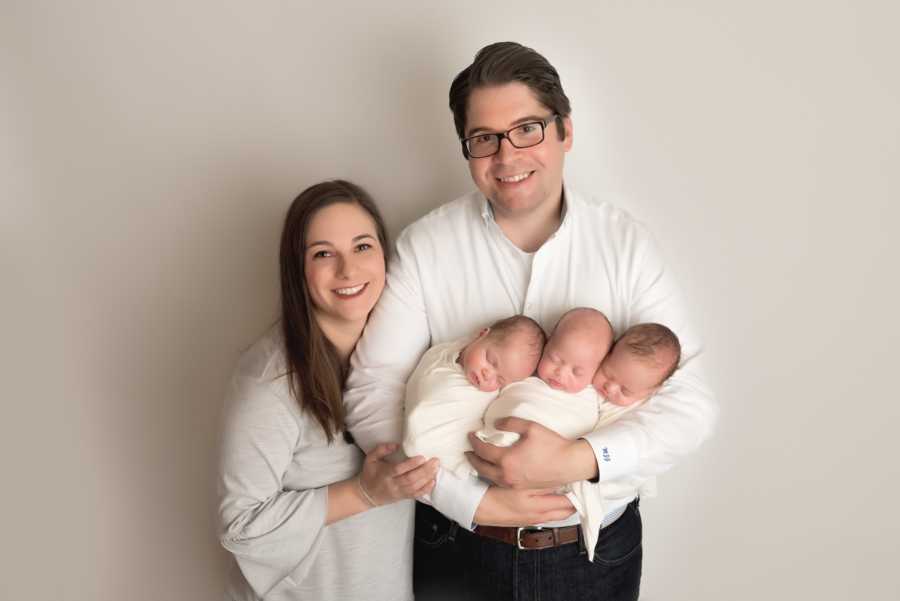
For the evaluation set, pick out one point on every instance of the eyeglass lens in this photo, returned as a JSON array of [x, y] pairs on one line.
[[523, 136]]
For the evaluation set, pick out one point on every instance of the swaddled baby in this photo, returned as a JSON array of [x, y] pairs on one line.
[[456, 385], [576, 364], [450, 389]]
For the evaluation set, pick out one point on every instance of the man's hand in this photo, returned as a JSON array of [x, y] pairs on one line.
[[506, 507], [540, 459]]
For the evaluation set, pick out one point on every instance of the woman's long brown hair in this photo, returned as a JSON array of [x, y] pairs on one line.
[[314, 370]]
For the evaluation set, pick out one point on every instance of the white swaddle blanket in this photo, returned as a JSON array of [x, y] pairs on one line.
[[442, 407], [568, 414]]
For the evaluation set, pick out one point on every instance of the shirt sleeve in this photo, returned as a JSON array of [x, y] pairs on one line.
[[647, 441], [273, 533], [396, 336]]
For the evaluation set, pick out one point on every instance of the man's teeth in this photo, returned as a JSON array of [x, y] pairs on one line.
[[514, 178], [350, 291]]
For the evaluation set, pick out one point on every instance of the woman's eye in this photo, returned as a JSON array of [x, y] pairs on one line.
[[321, 254], [363, 246]]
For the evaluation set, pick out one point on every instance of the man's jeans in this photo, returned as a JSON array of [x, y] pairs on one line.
[[452, 563]]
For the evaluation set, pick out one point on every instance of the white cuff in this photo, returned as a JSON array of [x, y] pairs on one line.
[[616, 453], [458, 498]]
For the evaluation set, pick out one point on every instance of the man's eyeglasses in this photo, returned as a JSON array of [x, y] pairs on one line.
[[521, 136]]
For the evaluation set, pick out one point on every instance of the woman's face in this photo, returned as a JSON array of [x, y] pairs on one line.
[[344, 264]]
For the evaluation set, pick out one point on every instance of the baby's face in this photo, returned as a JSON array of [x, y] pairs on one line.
[[624, 379], [570, 360], [490, 364]]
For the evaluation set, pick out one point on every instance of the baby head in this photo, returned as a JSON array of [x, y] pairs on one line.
[[506, 352], [639, 362], [579, 342]]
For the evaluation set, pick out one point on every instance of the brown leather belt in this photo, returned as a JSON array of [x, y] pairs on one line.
[[530, 538]]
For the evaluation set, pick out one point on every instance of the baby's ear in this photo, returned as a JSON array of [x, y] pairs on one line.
[[484, 332]]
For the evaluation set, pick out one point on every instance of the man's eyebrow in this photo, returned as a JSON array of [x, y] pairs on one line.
[[477, 130]]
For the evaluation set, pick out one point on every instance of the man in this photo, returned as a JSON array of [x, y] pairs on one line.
[[525, 244]]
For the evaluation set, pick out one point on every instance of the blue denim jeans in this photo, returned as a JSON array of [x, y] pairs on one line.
[[454, 564]]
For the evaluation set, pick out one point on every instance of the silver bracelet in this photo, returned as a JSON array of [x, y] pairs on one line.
[[365, 493]]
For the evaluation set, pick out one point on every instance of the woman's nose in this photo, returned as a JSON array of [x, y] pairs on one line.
[[346, 267]]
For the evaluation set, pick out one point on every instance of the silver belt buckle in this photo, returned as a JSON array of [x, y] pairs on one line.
[[525, 529]]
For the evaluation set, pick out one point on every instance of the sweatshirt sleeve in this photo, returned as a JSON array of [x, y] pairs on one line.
[[273, 533]]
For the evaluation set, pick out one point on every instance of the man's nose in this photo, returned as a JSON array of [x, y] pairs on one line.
[[506, 149]]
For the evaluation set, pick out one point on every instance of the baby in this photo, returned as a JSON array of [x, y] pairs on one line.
[[644, 357], [454, 389], [448, 392], [578, 354], [561, 397]]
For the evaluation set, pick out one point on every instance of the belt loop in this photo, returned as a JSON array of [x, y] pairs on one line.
[[451, 534]]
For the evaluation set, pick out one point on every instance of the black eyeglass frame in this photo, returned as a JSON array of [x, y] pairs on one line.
[[500, 136]]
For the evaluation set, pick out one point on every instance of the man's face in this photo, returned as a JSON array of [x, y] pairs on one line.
[[517, 181]]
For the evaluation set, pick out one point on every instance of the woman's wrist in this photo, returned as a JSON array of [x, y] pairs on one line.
[[345, 499], [366, 495]]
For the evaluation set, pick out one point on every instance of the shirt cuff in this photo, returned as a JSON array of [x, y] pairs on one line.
[[458, 498], [615, 451]]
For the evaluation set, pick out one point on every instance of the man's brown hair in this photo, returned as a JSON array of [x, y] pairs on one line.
[[506, 62]]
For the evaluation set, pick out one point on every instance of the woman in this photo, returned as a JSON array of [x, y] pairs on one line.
[[301, 510]]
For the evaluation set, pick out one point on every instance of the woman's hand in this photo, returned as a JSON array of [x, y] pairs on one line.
[[384, 482]]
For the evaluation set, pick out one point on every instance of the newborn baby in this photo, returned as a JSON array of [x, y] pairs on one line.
[[454, 389], [560, 398], [578, 354], [454, 382]]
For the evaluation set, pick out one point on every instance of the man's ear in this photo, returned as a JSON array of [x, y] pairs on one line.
[[569, 129]]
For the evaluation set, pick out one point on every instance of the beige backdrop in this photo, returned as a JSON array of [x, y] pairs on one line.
[[148, 151]]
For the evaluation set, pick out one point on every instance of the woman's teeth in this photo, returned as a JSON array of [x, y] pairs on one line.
[[350, 291]]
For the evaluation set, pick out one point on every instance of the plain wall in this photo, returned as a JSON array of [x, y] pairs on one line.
[[148, 152]]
